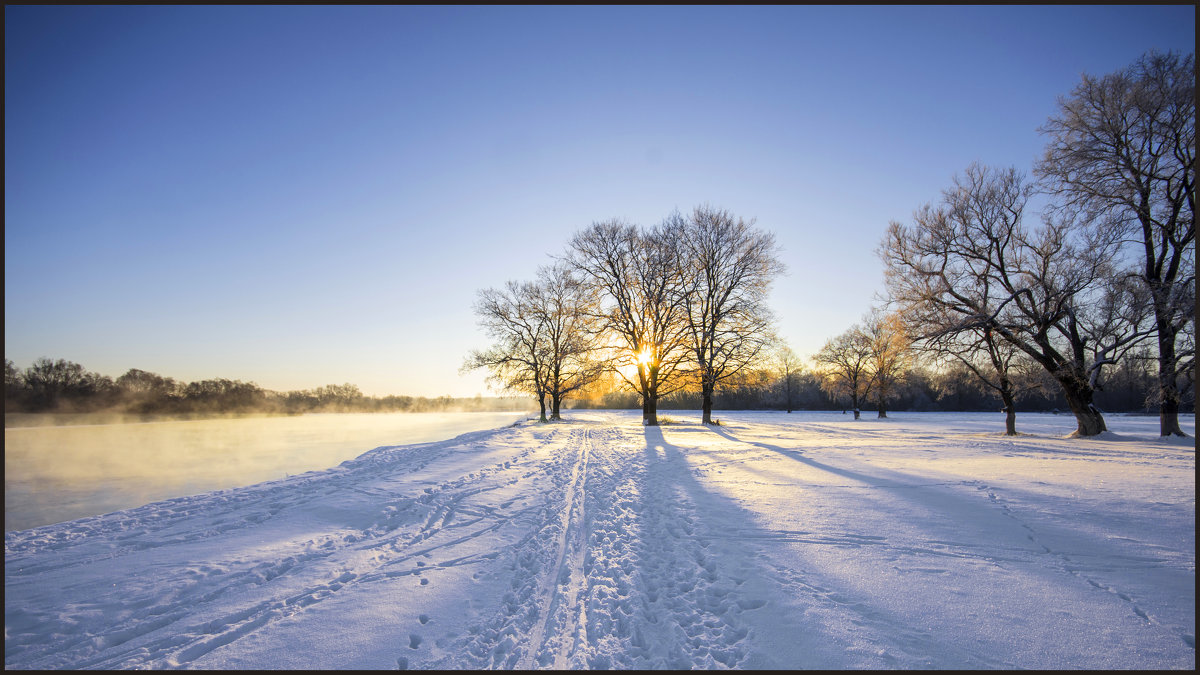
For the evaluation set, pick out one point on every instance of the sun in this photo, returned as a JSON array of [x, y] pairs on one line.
[[645, 356], [641, 361]]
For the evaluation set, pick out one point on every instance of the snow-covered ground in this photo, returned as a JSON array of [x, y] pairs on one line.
[[790, 541]]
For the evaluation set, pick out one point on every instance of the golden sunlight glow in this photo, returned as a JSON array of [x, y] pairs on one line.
[[641, 361], [645, 356]]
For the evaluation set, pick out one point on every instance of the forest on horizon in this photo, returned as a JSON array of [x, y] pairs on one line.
[[61, 386]]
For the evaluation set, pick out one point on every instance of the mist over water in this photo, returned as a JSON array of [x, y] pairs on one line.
[[57, 473]]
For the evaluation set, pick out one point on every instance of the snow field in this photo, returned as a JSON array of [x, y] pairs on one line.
[[772, 541]]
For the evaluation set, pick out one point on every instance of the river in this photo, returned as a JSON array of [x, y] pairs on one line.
[[58, 473]]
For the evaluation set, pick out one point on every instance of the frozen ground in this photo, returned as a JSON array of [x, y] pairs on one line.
[[789, 541]]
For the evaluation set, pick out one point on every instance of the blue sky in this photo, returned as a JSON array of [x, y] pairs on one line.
[[309, 195]]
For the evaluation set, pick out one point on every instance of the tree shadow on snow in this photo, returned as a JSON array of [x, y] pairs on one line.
[[999, 527], [714, 595]]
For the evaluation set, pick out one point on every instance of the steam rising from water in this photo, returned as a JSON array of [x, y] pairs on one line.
[[57, 473]]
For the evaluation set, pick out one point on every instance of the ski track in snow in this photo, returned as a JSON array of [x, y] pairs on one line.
[[598, 543]]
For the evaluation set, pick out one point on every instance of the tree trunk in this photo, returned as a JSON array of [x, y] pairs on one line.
[[556, 403], [542, 404], [706, 396], [650, 411], [1010, 411], [882, 408], [1088, 418], [1168, 409], [1168, 418]]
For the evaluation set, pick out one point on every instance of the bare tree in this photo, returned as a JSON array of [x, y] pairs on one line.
[[728, 267], [144, 391], [50, 384], [971, 264], [546, 337], [1119, 320], [566, 309], [13, 382], [338, 397], [516, 361], [992, 362], [789, 366], [845, 363], [888, 344], [638, 274], [1124, 146]]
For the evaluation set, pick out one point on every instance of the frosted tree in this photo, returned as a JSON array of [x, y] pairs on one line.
[[972, 264], [1123, 146]]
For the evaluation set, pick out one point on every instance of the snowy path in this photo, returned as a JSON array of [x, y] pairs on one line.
[[771, 541]]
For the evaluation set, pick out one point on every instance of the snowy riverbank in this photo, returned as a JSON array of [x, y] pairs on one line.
[[787, 541]]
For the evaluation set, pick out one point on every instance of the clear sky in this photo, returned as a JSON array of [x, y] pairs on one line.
[[308, 195]]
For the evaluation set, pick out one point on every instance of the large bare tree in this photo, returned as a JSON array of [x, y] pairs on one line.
[[1124, 146], [728, 267], [639, 276], [972, 264]]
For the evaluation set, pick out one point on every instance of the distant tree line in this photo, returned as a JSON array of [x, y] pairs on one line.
[[920, 387], [1092, 310], [63, 386]]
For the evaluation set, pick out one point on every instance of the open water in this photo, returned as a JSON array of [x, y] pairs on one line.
[[58, 473]]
